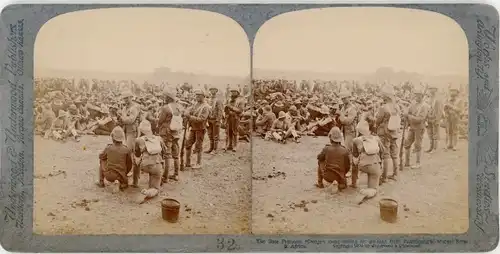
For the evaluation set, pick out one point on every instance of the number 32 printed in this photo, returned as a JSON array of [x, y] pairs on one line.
[[226, 244]]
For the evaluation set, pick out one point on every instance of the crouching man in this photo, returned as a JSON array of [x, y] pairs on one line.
[[333, 161], [115, 161], [150, 151]]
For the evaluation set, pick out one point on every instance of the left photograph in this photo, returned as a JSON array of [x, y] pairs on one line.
[[142, 123]]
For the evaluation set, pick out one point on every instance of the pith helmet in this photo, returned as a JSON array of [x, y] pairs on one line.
[[117, 134]]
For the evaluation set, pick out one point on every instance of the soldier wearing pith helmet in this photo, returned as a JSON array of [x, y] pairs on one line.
[[214, 119], [415, 118], [116, 160], [388, 122], [434, 117], [170, 136], [197, 117], [233, 111]]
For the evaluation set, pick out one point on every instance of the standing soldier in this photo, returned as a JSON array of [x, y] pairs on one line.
[[416, 116], [388, 122], [197, 119], [233, 111], [347, 117], [452, 110], [169, 127], [434, 119], [130, 117], [214, 120]]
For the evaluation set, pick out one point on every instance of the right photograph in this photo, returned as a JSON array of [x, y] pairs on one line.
[[360, 123]]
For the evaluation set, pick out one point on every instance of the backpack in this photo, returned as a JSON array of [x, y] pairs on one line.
[[370, 145], [153, 145], [394, 121], [176, 123]]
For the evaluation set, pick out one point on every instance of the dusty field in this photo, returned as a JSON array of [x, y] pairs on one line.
[[436, 196], [214, 199]]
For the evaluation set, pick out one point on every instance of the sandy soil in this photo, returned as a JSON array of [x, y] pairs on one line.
[[214, 199], [433, 199]]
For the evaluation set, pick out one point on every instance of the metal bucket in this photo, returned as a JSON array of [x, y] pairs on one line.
[[170, 210], [388, 210]]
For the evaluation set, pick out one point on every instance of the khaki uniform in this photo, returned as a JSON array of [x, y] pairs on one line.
[[368, 163], [453, 110], [433, 122], [151, 164], [333, 164], [347, 120], [232, 122], [388, 138], [214, 122], [417, 114], [114, 164], [130, 119], [170, 138], [197, 122]]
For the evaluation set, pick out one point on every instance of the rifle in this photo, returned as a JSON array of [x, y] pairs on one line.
[[181, 168], [405, 125]]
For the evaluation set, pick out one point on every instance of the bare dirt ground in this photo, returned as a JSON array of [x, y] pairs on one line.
[[214, 200], [432, 199]]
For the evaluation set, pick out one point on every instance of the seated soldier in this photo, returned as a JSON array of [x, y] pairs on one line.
[[265, 121], [115, 161], [44, 123], [323, 125], [151, 152], [278, 129], [333, 161]]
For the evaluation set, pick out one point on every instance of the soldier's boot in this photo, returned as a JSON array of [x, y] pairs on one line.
[[166, 167], [188, 159], [198, 161], [431, 148], [175, 176], [417, 164], [211, 147], [435, 144]]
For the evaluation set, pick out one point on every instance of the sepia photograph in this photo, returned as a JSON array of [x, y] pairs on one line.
[[361, 123], [142, 123]]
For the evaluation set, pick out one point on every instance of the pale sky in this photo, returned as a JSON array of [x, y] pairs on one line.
[[360, 40], [138, 40]]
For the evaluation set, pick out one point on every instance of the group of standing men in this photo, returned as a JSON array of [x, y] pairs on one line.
[[155, 154], [389, 124]]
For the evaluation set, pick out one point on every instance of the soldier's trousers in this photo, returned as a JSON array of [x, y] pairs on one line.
[[373, 171], [232, 133], [213, 132], [172, 145], [195, 138], [330, 176], [155, 172], [348, 138], [130, 141], [390, 152], [415, 136], [451, 132], [433, 130]]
